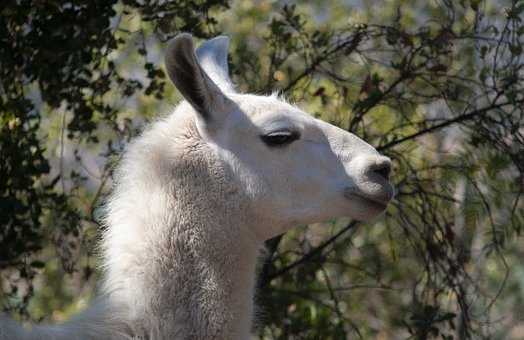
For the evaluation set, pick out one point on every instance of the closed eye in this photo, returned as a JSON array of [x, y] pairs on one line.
[[280, 138]]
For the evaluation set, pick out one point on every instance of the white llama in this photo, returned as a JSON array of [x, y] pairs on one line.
[[198, 193]]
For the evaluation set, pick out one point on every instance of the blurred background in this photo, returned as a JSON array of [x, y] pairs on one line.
[[436, 85]]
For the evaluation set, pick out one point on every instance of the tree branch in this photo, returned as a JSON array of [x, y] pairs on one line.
[[316, 251], [447, 123]]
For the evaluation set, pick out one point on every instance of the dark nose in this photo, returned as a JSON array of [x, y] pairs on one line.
[[382, 168]]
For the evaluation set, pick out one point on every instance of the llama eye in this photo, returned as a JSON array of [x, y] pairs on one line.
[[280, 138]]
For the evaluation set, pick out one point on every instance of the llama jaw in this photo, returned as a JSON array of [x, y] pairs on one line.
[[372, 201], [375, 204]]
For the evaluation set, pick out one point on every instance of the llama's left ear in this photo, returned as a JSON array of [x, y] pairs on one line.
[[192, 80]]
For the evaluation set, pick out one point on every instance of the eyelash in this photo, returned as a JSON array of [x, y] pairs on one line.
[[280, 138]]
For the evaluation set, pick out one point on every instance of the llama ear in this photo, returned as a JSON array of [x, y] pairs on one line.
[[212, 55], [191, 79]]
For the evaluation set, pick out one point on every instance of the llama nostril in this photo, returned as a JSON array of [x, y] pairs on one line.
[[383, 170]]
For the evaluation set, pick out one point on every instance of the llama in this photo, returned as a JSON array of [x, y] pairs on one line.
[[198, 193]]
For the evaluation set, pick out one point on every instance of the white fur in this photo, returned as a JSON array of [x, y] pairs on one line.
[[197, 194]]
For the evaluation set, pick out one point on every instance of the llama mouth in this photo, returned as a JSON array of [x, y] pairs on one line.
[[373, 202], [369, 200]]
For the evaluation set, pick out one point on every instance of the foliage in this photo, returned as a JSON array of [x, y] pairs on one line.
[[437, 86]]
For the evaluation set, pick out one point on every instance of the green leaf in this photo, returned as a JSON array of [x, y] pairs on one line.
[[515, 49], [37, 264]]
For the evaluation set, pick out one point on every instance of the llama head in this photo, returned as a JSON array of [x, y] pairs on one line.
[[293, 168]]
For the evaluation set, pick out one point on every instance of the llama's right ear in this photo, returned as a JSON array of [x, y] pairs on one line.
[[212, 55], [191, 80]]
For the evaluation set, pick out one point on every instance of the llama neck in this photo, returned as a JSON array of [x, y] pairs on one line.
[[211, 287], [185, 268], [214, 286]]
